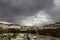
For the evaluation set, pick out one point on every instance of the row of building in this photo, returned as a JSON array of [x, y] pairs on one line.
[[21, 27], [52, 26]]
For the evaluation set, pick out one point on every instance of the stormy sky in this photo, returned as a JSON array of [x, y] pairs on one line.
[[30, 12]]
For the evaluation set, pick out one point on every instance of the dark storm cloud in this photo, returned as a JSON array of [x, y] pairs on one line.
[[9, 9]]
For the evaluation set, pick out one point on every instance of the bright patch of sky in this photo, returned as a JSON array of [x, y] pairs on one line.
[[57, 2], [40, 18]]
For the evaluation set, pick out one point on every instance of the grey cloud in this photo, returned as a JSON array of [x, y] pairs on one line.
[[55, 14], [9, 9]]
